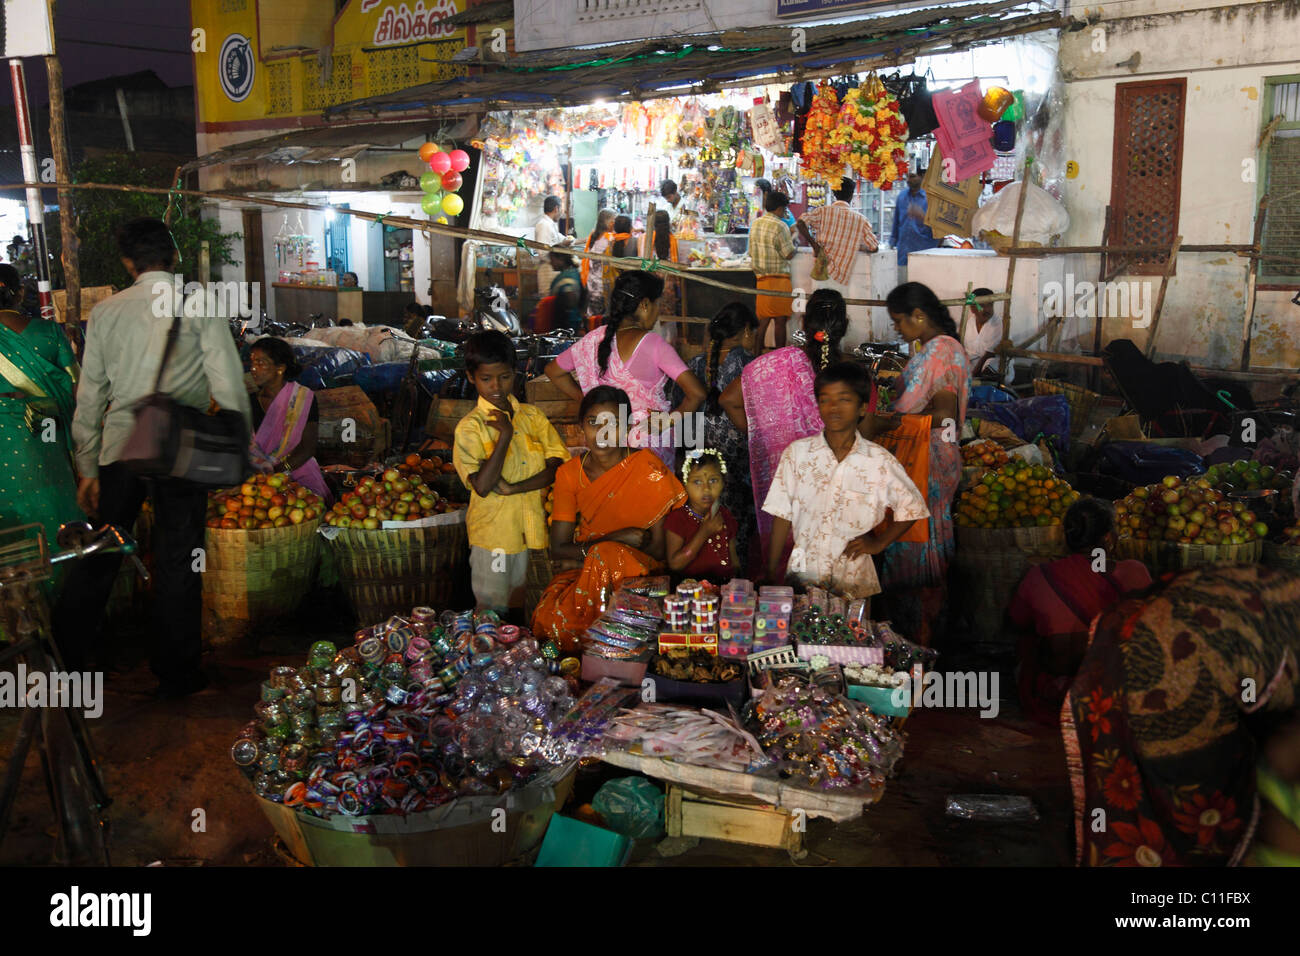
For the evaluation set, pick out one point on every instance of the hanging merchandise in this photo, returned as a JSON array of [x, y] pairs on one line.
[[1016, 111], [1004, 136], [750, 162], [724, 128], [873, 132], [995, 103], [766, 132], [917, 107], [822, 158]]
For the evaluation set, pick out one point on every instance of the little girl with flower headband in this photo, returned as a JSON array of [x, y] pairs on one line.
[[701, 535]]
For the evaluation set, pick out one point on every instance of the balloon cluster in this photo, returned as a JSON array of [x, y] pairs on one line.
[[442, 180]]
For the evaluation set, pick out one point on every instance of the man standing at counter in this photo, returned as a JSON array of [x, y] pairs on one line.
[[910, 233], [668, 190], [770, 249], [838, 232], [548, 232]]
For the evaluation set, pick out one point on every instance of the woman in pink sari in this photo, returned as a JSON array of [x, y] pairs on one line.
[[773, 400], [285, 416], [627, 355]]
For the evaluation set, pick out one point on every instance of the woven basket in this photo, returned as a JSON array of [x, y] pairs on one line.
[[1081, 401], [255, 576], [988, 567], [387, 572], [1173, 556], [1283, 556]]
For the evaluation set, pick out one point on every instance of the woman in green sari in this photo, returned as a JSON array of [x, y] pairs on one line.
[[38, 371]]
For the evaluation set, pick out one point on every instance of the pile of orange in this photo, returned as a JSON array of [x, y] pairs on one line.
[[985, 453], [1017, 495]]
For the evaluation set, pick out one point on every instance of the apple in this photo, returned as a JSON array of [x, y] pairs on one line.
[[370, 524], [401, 485], [274, 512], [276, 481], [392, 474], [1193, 530], [248, 524], [427, 502], [309, 513], [407, 496], [1169, 497], [368, 500], [296, 516], [281, 522], [279, 499], [248, 489], [230, 523], [214, 522], [259, 514], [1261, 529], [1196, 517], [1171, 481], [1228, 525], [358, 511], [344, 522], [1177, 523], [384, 515], [400, 508], [1141, 493]]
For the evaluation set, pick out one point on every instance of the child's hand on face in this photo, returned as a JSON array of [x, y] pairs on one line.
[[713, 524], [501, 422]]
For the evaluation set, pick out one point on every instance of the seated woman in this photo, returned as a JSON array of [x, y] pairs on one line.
[[285, 416], [566, 305], [1165, 719], [1057, 602], [607, 522]]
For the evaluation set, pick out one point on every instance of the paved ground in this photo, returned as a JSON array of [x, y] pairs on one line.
[[165, 760]]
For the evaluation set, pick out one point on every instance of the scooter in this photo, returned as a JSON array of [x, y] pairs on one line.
[[492, 311]]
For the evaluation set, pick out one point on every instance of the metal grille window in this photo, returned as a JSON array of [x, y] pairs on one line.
[[1147, 168], [1280, 178], [279, 78], [393, 70], [317, 95]]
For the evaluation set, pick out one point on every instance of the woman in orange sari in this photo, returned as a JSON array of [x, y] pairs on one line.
[[607, 522]]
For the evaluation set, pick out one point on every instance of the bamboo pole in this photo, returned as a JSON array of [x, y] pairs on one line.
[[1094, 378], [1015, 242], [1170, 265], [69, 244], [1071, 358], [1252, 283]]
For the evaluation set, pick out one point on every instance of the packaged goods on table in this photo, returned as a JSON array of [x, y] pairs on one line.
[[444, 706], [772, 617], [685, 735], [822, 740]]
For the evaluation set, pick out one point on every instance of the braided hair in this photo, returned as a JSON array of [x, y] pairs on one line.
[[913, 296], [630, 288], [825, 323], [732, 319]]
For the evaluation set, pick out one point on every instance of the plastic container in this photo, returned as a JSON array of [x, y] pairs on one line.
[[571, 842], [669, 691], [879, 700]]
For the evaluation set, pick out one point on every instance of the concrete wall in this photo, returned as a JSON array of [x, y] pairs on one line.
[[1226, 54]]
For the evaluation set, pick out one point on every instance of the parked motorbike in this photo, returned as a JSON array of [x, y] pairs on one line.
[[492, 311]]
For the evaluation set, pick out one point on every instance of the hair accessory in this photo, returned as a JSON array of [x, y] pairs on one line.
[[820, 335], [696, 454]]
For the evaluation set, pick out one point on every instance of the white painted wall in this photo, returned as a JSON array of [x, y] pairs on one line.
[[1225, 54], [547, 24]]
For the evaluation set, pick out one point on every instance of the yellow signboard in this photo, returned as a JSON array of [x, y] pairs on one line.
[[267, 63]]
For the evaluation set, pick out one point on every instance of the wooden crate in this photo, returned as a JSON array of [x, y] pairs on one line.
[[690, 814], [445, 414]]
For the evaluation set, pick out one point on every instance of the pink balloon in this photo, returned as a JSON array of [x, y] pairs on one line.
[[459, 160], [451, 181], [440, 162]]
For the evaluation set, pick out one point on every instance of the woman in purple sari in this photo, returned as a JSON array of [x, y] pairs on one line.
[[773, 401], [285, 416]]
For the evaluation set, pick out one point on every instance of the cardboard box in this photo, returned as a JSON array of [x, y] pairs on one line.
[[687, 641]]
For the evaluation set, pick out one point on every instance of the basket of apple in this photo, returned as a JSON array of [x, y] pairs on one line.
[[1187, 523], [1283, 549], [261, 552], [398, 544]]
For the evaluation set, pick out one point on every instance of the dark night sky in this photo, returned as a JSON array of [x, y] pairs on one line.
[[114, 30]]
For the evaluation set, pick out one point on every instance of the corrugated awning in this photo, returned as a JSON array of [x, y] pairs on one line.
[[482, 13], [329, 143], [708, 63]]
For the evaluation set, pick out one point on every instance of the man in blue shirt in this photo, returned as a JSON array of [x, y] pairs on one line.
[[910, 232]]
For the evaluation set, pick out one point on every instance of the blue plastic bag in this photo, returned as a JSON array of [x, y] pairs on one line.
[[1044, 416], [1144, 464]]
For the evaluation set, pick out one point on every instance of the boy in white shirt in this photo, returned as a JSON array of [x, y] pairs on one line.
[[843, 497]]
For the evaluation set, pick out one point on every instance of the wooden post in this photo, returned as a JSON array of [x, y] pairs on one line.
[[1252, 281], [648, 240], [1011, 266], [1094, 377], [69, 243], [1160, 299], [965, 314]]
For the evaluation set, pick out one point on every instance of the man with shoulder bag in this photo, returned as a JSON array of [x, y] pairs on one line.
[[150, 374]]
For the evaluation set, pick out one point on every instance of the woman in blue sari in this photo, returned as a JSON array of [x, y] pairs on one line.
[[38, 371]]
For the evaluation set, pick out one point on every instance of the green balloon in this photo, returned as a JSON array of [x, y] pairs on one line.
[[431, 182], [431, 203]]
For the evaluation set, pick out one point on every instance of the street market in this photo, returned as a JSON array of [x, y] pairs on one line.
[[672, 449]]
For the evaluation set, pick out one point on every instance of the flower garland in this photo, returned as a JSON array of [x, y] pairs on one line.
[[821, 158], [866, 130]]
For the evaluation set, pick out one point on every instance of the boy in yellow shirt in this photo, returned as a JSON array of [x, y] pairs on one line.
[[506, 453]]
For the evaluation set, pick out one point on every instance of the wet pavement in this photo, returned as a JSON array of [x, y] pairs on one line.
[[179, 799]]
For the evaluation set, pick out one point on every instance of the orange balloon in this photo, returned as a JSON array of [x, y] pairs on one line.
[[995, 103], [427, 150]]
